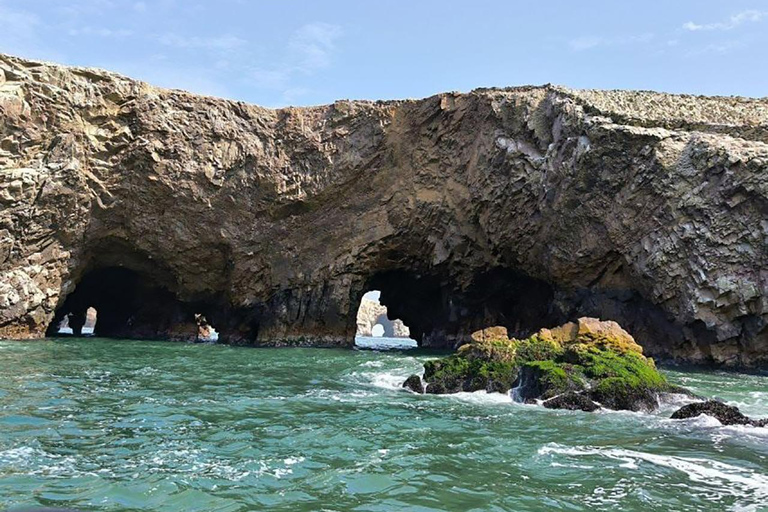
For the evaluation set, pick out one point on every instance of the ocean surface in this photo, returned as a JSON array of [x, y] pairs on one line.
[[107, 425]]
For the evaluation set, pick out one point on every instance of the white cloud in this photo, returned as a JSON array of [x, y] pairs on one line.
[[20, 33], [220, 43], [750, 16], [585, 43], [100, 32], [269, 78], [309, 49], [720, 48], [588, 42], [140, 7], [293, 94], [312, 45]]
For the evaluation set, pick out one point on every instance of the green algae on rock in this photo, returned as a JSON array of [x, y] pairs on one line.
[[592, 359]]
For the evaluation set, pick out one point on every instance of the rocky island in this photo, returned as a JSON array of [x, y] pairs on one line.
[[523, 207], [583, 365], [575, 366]]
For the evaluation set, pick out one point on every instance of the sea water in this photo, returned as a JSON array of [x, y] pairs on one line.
[[109, 425]]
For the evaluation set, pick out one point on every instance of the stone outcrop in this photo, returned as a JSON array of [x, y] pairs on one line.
[[519, 207], [371, 312], [725, 414], [581, 365]]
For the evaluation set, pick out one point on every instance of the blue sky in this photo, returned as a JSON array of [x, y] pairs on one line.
[[293, 52]]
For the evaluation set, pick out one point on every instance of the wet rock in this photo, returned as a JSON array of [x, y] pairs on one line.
[[415, 384], [572, 401], [602, 361], [621, 395], [725, 414], [489, 364], [545, 379]]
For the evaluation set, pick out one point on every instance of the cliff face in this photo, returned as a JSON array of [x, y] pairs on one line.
[[520, 207]]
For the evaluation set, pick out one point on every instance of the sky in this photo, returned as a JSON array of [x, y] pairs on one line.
[[292, 52]]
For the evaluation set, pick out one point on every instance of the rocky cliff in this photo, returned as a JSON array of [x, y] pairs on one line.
[[520, 207]]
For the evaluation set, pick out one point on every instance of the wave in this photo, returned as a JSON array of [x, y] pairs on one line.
[[729, 479]]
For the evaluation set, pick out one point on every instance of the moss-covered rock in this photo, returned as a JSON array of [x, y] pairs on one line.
[[622, 381], [483, 368], [596, 360], [540, 380]]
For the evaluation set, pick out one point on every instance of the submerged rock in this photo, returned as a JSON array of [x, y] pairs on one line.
[[414, 383], [725, 414], [571, 401], [583, 362]]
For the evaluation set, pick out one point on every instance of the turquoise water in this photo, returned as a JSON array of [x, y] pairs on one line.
[[111, 425]]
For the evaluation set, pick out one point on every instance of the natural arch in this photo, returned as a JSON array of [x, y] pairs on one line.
[[373, 319]]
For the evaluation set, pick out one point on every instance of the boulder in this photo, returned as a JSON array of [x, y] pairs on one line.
[[592, 332], [572, 401], [546, 379], [725, 414], [415, 384], [597, 359]]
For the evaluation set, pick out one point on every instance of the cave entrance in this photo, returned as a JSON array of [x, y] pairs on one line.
[[375, 328], [119, 302]]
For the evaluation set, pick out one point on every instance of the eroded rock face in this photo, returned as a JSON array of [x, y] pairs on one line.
[[520, 207]]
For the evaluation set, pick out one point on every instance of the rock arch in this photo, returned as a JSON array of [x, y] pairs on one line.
[[372, 313]]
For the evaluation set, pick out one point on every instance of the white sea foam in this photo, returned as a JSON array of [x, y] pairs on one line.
[[733, 479], [22, 453], [386, 380], [482, 397]]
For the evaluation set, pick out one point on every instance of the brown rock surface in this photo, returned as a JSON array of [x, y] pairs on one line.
[[594, 332], [519, 207]]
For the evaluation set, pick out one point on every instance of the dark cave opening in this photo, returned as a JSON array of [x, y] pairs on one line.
[[441, 313], [414, 299], [130, 304], [506, 297]]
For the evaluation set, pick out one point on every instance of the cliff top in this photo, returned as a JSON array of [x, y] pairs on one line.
[[645, 108]]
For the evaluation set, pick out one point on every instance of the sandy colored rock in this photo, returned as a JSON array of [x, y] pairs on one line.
[[592, 332], [490, 334]]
